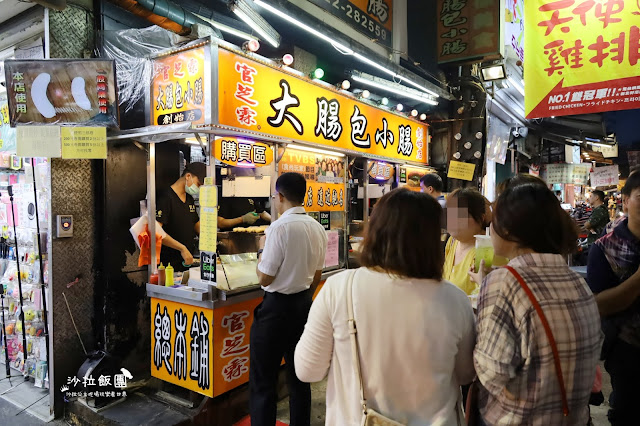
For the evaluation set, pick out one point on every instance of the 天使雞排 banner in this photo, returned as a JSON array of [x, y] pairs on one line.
[[582, 56]]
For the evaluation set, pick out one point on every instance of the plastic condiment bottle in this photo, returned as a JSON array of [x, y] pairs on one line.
[[161, 274], [168, 275]]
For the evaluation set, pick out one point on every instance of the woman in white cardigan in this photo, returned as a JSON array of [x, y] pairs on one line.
[[415, 332]]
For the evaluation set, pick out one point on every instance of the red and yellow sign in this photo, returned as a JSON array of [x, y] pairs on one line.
[[179, 89], [242, 152], [382, 171], [182, 345], [232, 326], [468, 30], [263, 99], [325, 176], [582, 57], [371, 17]]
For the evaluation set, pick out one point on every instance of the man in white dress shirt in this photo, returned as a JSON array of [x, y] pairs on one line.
[[290, 264]]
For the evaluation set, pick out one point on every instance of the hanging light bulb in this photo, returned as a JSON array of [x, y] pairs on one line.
[[346, 84], [423, 117], [384, 101], [318, 73], [414, 112], [287, 59], [366, 93], [399, 107], [252, 45]]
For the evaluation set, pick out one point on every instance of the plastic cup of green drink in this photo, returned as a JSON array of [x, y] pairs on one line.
[[484, 251]]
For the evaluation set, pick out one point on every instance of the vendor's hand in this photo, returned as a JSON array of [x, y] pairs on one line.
[[250, 218], [263, 239], [186, 256], [478, 277]]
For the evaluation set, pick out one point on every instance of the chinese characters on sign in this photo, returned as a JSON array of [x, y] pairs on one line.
[[605, 176], [232, 325], [84, 142], [178, 88], [181, 345], [242, 152], [468, 29], [325, 177], [514, 27], [584, 54], [576, 174], [256, 97], [461, 170], [381, 171], [62, 91], [371, 17]]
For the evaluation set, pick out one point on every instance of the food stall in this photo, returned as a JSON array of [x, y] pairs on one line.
[[254, 119]]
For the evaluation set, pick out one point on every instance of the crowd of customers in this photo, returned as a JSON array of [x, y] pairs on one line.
[[531, 347]]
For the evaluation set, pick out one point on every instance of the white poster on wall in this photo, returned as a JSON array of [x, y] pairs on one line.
[[605, 176]]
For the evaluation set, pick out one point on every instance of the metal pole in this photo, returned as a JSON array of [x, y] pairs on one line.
[[43, 290], [365, 191], [4, 336], [151, 207], [15, 236]]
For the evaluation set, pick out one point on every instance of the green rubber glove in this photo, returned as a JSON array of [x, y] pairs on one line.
[[250, 218]]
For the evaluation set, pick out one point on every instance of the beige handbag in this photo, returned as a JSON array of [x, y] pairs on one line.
[[370, 417]]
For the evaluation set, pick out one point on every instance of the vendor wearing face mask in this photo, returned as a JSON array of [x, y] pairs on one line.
[[176, 212]]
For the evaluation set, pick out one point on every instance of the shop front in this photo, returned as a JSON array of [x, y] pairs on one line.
[[251, 119]]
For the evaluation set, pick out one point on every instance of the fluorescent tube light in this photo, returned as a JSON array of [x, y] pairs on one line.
[[228, 29], [389, 88], [516, 85], [255, 21], [317, 151], [340, 47]]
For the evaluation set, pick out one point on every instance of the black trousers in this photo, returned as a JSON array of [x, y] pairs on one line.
[[623, 365], [278, 323]]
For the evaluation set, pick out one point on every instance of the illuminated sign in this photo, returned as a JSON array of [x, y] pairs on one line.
[[81, 91], [260, 98], [179, 88], [581, 57], [242, 152]]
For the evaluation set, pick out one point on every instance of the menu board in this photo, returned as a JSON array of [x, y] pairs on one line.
[[332, 257], [576, 174]]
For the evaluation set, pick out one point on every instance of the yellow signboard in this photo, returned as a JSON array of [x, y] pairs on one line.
[[182, 345], [460, 170], [179, 90], [258, 97], [84, 142], [208, 229], [325, 177], [242, 152], [582, 57]]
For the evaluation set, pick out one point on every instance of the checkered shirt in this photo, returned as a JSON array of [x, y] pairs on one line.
[[513, 358]]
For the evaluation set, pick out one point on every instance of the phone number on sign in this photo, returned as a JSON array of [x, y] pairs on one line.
[[360, 18]]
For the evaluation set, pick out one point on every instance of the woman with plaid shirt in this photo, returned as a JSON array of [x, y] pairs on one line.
[[513, 358]]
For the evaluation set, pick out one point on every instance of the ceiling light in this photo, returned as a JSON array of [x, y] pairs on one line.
[[252, 18], [318, 73], [384, 101], [339, 46], [493, 72], [516, 85], [399, 107], [603, 145], [477, 154], [390, 86], [414, 112], [226, 29], [346, 84], [457, 155], [318, 151], [467, 145], [423, 117], [366, 93], [287, 59]]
